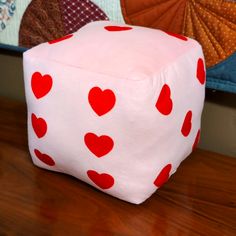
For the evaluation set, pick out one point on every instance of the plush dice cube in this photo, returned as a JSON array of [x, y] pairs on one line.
[[116, 106]]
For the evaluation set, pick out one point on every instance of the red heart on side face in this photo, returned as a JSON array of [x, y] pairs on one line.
[[164, 103], [101, 101], [39, 125], [104, 181], [99, 146], [117, 28], [187, 124], [179, 36], [201, 73], [60, 39], [41, 84], [197, 139], [163, 176], [44, 158]]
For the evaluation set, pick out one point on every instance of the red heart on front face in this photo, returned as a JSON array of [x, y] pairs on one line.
[[164, 103], [99, 146], [103, 180], [201, 73], [187, 124], [163, 176], [60, 39], [39, 126], [41, 84], [117, 28], [101, 101], [44, 158], [197, 139]]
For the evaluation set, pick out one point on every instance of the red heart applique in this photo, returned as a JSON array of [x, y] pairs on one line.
[[163, 176], [99, 146], [164, 103], [101, 101], [201, 73], [197, 139], [187, 124], [103, 180], [60, 39], [117, 28], [44, 158], [41, 84], [179, 36], [39, 126]]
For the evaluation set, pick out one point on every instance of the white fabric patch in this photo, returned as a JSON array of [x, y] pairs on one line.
[[10, 34]]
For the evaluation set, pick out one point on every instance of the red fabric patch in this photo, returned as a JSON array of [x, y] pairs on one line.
[[60, 39], [101, 101], [77, 13], [44, 158], [99, 146], [117, 28], [41, 84], [201, 73], [39, 125], [197, 139], [163, 176], [164, 103], [179, 36], [104, 181], [187, 124]]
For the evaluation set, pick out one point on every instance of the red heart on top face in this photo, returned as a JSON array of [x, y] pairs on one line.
[[179, 36], [163, 176], [164, 103], [117, 28], [197, 139], [104, 181], [44, 158], [101, 101], [201, 73], [99, 146], [187, 124], [41, 84], [60, 39], [39, 125]]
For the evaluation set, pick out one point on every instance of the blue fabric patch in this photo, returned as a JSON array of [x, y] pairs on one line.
[[12, 48], [223, 75]]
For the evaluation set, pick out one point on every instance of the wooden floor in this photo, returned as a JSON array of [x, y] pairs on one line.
[[200, 199]]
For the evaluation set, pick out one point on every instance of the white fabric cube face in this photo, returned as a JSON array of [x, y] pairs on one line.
[[116, 106]]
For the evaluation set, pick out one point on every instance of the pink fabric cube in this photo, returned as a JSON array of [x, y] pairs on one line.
[[116, 106]]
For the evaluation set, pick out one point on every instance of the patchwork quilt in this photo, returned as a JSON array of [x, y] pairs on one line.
[[26, 23]]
